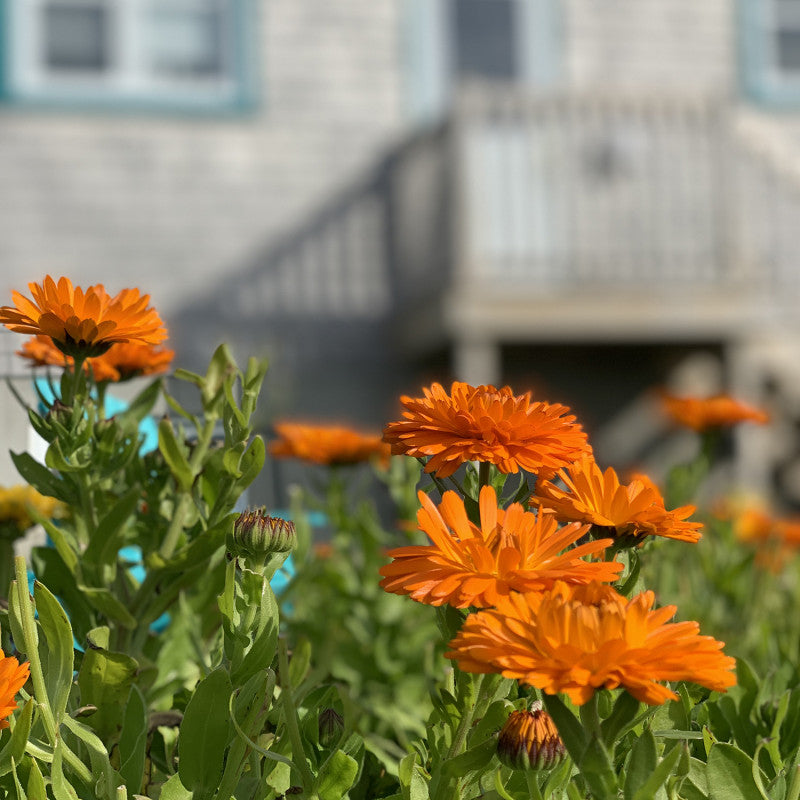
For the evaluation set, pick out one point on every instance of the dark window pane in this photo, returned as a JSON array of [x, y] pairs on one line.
[[484, 38], [75, 37], [789, 50], [186, 41]]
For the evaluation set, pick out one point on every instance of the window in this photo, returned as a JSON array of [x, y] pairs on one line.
[[771, 50], [185, 53], [450, 42]]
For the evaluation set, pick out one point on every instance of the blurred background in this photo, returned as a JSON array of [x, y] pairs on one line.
[[587, 199]]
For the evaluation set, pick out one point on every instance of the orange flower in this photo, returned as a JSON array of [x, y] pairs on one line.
[[83, 323], [699, 414], [512, 550], [128, 360], [325, 444], [777, 539], [122, 361], [486, 424], [598, 498], [576, 639], [12, 676]]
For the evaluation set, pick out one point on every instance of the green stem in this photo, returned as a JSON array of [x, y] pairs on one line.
[[30, 638], [290, 715], [176, 525], [532, 779], [590, 718], [237, 755]]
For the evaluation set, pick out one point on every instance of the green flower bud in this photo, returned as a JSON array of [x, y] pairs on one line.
[[258, 535], [331, 726], [529, 740]]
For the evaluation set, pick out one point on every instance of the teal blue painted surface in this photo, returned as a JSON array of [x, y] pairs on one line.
[[243, 100], [753, 61], [3, 50]]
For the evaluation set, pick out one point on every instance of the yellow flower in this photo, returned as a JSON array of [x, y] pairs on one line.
[[16, 503]]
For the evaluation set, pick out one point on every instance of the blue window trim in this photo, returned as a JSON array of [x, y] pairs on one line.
[[754, 65], [244, 100], [427, 55]]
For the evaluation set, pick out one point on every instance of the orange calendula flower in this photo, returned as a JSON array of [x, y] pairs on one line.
[[12, 677], [482, 423], [597, 497], [721, 411], [512, 550], [325, 444], [777, 538], [83, 323], [128, 360], [121, 362], [577, 639]]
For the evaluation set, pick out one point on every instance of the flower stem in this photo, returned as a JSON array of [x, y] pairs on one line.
[[532, 780], [590, 718], [290, 715]]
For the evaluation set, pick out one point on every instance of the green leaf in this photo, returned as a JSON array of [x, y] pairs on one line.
[[412, 784], [20, 792], [641, 764], [252, 462], [173, 789], [204, 735], [648, 789], [133, 741], [624, 712], [569, 727], [473, 759], [299, 661], [336, 776], [264, 634], [597, 770], [62, 543], [730, 774], [108, 537], [98, 756], [60, 653], [58, 783], [105, 680], [106, 603], [42, 479], [15, 747], [174, 455], [35, 788]]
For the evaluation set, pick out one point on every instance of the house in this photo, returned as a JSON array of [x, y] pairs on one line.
[[575, 194]]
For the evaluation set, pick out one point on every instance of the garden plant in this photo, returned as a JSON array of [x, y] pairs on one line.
[[526, 624]]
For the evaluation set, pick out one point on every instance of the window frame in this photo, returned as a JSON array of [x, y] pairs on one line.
[[761, 77], [24, 78]]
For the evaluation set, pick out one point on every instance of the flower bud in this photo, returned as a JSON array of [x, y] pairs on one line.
[[331, 726], [529, 740], [258, 535]]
